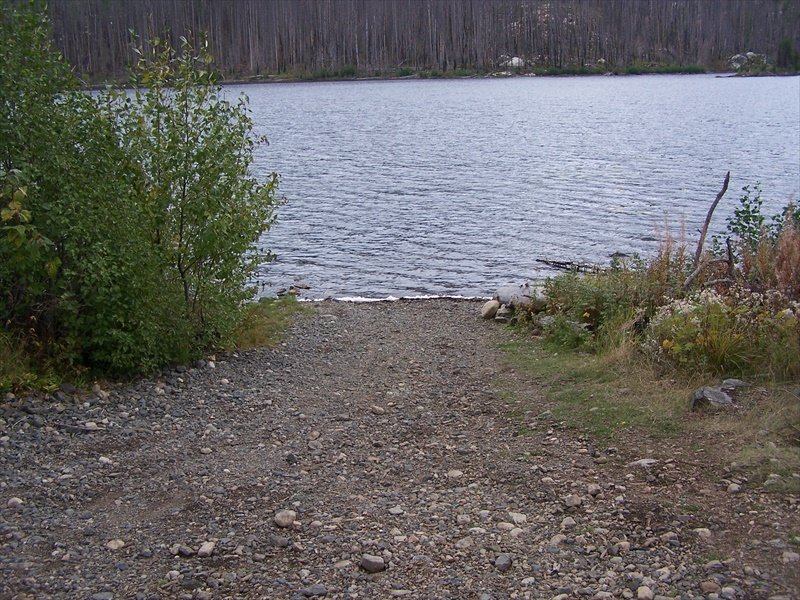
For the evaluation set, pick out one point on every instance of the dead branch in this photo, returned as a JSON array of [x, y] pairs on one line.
[[698, 255]]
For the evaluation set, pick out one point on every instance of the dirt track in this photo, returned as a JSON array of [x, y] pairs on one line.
[[385, 429]]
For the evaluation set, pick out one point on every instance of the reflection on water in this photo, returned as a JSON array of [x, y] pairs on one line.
[[454, 187]]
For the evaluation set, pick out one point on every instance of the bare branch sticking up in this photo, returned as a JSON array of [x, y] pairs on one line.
[[698, 255]]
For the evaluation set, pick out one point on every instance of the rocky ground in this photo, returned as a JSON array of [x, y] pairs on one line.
[[372, 455]]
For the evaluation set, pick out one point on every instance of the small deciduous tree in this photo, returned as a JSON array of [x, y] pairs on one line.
[[127, 221], [195, 148]]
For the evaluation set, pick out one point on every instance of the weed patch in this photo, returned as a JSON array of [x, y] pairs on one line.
[[266, 322]]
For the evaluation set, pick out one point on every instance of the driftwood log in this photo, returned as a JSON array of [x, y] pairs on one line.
[[566, 265]]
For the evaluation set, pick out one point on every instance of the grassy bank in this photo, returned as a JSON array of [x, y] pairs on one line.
[[624, 349], [621, 399]]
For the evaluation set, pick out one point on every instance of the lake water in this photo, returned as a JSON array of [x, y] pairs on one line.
[[454, 187]]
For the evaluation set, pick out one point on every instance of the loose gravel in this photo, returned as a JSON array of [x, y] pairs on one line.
[[371, 455]]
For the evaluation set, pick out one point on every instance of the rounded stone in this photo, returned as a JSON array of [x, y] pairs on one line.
[[372, 564], [285, 518]]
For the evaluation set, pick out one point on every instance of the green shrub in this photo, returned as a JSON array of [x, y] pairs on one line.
[[79, 276], [127, 224], [744, 323], [733, 335], [195, 149]]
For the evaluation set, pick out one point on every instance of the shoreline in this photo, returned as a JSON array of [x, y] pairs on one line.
[[441, 77]]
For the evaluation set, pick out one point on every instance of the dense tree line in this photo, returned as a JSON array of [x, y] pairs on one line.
[[252, 37]]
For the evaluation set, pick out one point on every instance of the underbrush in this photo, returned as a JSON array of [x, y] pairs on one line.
[[733, 310], [627, 346], [265, 322]]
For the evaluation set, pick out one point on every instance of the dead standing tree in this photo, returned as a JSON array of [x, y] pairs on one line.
[[699, 263]]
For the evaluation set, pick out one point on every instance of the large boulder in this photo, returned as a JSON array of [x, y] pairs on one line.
[[515, 62]]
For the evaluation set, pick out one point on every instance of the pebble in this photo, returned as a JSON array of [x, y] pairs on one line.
[[594, 489], [734, 488], [102, 596], [703, 532], [517, 518], [790, 557], [205, 450], [372, 564], [377, 410], [285, 518], [206, 549], [396, 511], [14, 502], [90, 426], [115, 544], [573, 501], [314, 590], [503, 562], [454, 474], [644, 593]]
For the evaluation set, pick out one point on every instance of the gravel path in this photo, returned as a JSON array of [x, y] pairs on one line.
[[370, 456]]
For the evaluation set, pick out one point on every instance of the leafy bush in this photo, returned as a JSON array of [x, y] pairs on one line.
[[742, 333], [195, 150], [127, 223]]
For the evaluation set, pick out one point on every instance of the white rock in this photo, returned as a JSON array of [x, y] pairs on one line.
[[703, 532], [206, 549], [644, 462], [454, 474], [489, 309], [285, 518], [517, 518], [104, 460], [377, 410], [594, 489], [567, 522], [14, 502], [90, 426], [572, 501], [790, 557], [734, 488], [115, 544]]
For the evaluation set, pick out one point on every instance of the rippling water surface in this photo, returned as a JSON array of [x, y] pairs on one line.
[[454, 187]]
